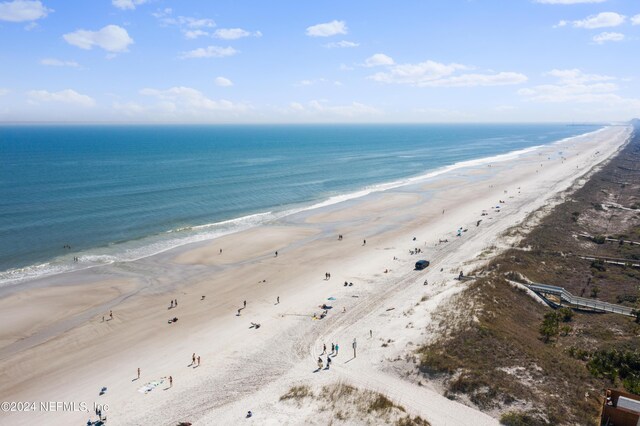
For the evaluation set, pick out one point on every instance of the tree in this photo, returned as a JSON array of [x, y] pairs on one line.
[[550, 325], [566, 314]]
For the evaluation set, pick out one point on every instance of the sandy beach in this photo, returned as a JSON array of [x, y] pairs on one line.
[[58, 342]]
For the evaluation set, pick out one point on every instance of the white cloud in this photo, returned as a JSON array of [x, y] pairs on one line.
[[341, 44], [193, 34], [165, 17], [52, 62], [321, 108], [581, 89], [327, 29], [635, 20], [23, 10], [473, 80], [435, 74], [210, 52], [234, 33], [67, 96], [111, 38], [317, 81], [161, 13], [223, 82], [129, 108], [189, 100], [417, 74], [377, 60], [604, 37], [601, 20], [191, 27], [575, 76], [127, 4], [569, 1]]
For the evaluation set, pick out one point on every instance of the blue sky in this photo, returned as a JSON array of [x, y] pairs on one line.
[[291, 61]]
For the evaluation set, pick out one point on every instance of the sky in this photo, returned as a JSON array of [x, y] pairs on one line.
[[292, 61]]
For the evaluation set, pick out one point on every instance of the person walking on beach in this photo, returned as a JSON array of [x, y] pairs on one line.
[[328, 362], [193, 359], [333, 348], [245, 303], [220, 251], [278, 300], [354, 345], [170, 381], [320, 363], [364, 243], [276, 254], [324, 348], [337, 349], [371, 334], [138, 372], [111, 314], [198, 360]]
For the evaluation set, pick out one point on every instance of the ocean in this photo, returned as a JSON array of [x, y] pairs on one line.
[[119, 193]]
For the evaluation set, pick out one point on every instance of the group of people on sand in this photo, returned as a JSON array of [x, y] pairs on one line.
[[327, 275], [415, 251], [335, 348]]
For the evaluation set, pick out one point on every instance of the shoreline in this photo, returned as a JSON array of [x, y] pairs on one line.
[[97, 257], [245, 367]]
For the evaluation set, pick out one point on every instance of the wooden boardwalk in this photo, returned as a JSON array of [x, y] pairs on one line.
[[568, 299], [610, 260], [611, 240]]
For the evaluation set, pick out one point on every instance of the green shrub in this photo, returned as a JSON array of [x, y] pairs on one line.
[[615, 364], [520, 418], [566, 314]]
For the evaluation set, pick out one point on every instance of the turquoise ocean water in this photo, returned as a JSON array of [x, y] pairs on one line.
[[119, 193]]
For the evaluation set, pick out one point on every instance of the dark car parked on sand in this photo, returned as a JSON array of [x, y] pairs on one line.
[[421, 264]]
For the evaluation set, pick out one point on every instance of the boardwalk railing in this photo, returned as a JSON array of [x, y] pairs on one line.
[[544, 290], [610, 260], [611, 240]]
